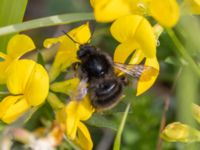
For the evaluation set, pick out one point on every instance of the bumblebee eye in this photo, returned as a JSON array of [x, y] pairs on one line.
[[81, 53]]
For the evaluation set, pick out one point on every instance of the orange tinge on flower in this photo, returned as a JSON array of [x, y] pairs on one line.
[[17, 47], [136, 35], [166, 12], [66, 54], [72, 116], [28, 84]]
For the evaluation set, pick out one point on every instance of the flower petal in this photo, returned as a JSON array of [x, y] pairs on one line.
[[66, 54], [6, 103], [166, 12], [92, 2], [137, 57], [15, 110], [51, 41], [81, 34], [124, 28], [135, 28], [3, 69], [28, 78], [83, 138], [37, 87], [123, 51], [61, 115], [193, 5], [109, 10], [18, 76], [82, 109], [63, 60], [178, 132], [71, 126], [76, 111], [19, 45], [148, 77], [145, 37], [65, 57]]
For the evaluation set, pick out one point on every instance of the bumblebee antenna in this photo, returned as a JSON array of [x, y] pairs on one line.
[[70, 37], [92, 26]]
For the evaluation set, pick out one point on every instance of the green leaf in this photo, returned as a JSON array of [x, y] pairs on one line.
[[45, 112], [120, 108], [45, 22], [66, 87], [54, 101], [121, 127], [40, 59], [175, 61], [2, 126], [101, 121], [11, 12]]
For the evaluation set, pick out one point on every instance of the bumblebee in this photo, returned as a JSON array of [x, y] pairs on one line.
[[98, 78]]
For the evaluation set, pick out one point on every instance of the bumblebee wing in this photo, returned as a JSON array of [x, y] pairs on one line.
[[81, 90], [137, 70]]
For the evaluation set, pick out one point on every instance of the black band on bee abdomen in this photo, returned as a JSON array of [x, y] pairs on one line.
[[107, 94]]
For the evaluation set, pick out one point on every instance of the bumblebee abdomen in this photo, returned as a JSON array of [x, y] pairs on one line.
[[107, 94]]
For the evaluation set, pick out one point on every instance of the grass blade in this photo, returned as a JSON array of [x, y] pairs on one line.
[[45, 22], [121, 127], [11, 12]]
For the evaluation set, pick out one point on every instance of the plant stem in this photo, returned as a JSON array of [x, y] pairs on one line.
[[184, 53], [117, 142], [45, 22]]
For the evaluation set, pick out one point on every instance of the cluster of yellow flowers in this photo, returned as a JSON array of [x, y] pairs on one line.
[[135, 33], [28, 82]]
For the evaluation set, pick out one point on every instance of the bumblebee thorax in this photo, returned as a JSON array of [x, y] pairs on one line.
[[96, 65]]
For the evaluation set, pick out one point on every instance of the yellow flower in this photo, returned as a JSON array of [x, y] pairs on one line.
[[196, 112], [17, 47], [178, 132], [28, 84], [166, 12], [135, 34], [75, 111], [66, 54], [71, 116], [109, 10], [84, 139], [67, 87]]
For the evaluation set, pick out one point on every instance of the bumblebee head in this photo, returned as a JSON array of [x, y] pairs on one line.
[[85, 50]]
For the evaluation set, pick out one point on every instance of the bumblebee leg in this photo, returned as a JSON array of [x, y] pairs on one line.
[[76, 66]]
